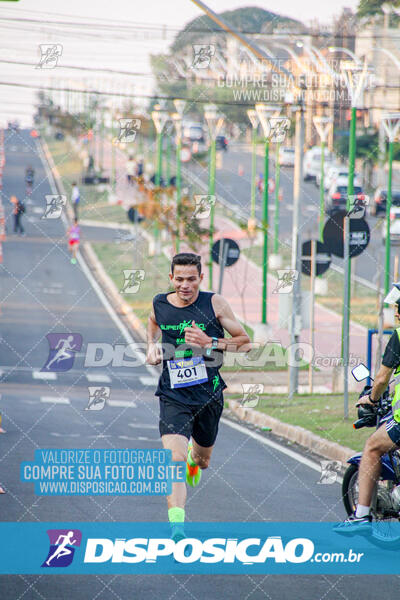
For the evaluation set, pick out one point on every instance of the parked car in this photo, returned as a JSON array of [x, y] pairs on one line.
[[192, 132], [312, 162], [221, 142], [394, 226], [379, 205], [286, 157], [337, 196], [335, 172]]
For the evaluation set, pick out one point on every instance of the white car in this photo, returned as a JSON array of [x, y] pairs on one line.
[[394, 226], [286, 157], [341, 172], [312, 162]]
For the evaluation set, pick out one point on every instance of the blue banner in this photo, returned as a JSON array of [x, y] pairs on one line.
[[224, 548]]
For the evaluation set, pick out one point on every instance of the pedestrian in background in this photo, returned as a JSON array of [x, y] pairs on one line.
[[131, 168], [18, 211], [75, 198]]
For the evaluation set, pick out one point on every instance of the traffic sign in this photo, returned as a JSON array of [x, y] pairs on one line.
[[230, 249], [322, 258], [333, 235]]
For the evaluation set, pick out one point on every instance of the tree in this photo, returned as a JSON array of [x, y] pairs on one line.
[[370, 8]]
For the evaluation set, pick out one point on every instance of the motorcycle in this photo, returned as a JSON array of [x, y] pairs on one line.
[[385, 504]]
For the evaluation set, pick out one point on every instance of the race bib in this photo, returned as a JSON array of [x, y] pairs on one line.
[[187, 371]]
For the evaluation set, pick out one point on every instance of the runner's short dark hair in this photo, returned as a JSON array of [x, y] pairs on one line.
[[186, 258]]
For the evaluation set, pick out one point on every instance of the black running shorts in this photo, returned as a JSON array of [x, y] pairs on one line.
[[199, 421]]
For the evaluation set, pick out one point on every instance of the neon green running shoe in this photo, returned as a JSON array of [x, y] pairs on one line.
[[193, 472]]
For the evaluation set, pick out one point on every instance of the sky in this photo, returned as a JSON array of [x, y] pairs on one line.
[[20, 41]]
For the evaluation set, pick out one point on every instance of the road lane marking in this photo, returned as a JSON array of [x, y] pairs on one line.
[[148, 380], [54, 400], [143, 425], [98, 378], [121, 404], [267, 442], [44, 375]]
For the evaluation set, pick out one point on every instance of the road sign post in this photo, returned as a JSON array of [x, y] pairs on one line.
[[225, 252]]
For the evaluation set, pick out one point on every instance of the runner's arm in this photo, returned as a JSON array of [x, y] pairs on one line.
[[240, 341], [153, 356]]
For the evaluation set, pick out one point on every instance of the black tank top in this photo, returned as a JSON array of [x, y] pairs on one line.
[[172, 322]]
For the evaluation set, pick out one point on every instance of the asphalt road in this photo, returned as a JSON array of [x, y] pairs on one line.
[[235, 188], [41, 292]]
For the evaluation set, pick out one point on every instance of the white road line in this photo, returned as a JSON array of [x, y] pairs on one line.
[[143, 426], [148, 380], [54, 400], [110, 310], [121, 404], [98, 378], [264, 440], [44, 375]]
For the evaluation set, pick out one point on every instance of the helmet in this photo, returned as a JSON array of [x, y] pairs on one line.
[[393, 296]]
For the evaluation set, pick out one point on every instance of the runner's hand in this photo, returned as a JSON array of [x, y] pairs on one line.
[[196, 336], [153, 356]]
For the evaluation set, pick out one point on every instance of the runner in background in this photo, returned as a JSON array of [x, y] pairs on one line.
[[74, 233]]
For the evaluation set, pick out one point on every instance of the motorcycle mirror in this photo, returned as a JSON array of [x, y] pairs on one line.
[[360, 372]]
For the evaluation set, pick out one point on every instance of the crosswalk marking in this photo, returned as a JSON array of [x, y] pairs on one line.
[[54, 400], [98, 378], [44, 375], [148, 380]]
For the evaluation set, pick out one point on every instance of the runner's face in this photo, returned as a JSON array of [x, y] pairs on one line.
[[186, 281]]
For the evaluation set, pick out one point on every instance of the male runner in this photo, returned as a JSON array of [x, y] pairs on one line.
[[192, 324], [74, 233]]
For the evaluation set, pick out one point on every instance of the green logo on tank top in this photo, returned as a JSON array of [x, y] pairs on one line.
[[215, 382], [182, 326]]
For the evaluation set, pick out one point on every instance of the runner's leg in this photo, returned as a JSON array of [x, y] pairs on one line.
[[178, 445]]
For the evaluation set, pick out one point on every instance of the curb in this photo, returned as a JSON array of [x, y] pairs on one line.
[[293, 433]]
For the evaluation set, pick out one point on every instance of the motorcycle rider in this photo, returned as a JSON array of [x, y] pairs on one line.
[[383, 439]]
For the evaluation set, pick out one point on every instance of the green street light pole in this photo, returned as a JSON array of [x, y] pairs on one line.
[[252, 114], [265, 112], [168, 159], [277, 183], [160, 118], [391, 124], [113, 166], [211, 192], [177, 121], [214, 121], [265, 234]]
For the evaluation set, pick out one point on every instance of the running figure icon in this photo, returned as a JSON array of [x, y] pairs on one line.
[[62, 549], [65, 350]]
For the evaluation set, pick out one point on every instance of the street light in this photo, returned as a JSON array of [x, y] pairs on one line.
[[177, 121], [265, 112], [391, 124], [252, 114], [355, 78], [215, 122], [323, 126], [160, 118], [345, 51]]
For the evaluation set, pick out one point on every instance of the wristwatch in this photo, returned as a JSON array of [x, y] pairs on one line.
[[214, 346]]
